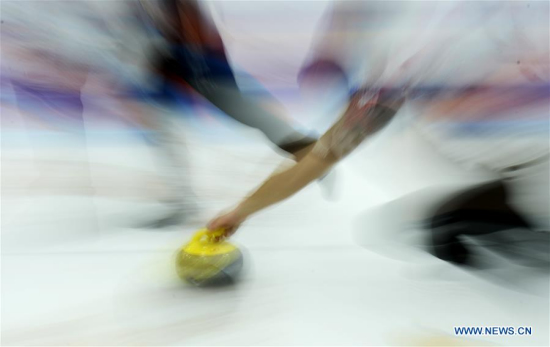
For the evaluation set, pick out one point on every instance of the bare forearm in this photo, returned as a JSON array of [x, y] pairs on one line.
[[286, 183]]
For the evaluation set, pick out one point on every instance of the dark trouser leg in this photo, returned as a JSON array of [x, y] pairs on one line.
[[213, 78], [480, 211], [171, 154], [226, 95]]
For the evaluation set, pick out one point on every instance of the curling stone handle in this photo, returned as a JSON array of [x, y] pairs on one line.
[[209, 234]]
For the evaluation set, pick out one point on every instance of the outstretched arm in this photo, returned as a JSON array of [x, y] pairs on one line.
[[275, 189], [358, 122]]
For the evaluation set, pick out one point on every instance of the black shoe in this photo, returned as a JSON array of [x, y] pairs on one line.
[[453, 251]]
